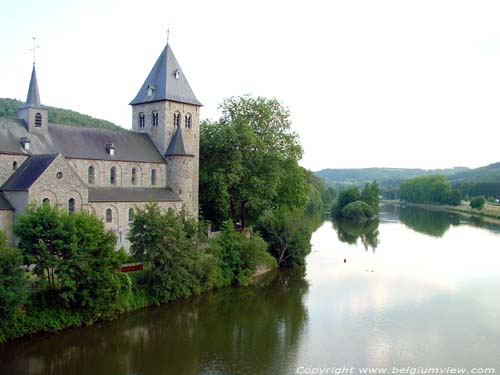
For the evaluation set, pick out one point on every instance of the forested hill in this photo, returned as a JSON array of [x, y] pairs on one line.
[[8, 108], [386, 177], [489, 173]]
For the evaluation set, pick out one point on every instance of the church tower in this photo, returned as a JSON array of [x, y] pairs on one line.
[[35, 116], [167, 109]]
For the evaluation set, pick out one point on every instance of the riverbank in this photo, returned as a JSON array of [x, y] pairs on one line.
[[489, 212], [37, 318]]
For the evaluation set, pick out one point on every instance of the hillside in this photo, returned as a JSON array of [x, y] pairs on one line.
[[386, 177], [8, 108], [489, 173]]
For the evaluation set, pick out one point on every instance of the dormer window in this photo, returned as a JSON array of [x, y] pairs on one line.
[[142, 120], [155, 119], [151, 90], [25, 143], [38, 120], [188, 121], [177, 119], [177, 74], [110, 149]]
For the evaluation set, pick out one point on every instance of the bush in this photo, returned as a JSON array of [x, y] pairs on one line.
[[12, 280], [358, 210], [288, 234], [168, 242], [455, 198], [478, 202], [344, 198], [74, 257]]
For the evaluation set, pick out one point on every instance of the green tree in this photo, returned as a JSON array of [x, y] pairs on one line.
[[43, 239], [74, 257], [88, 273], [426, 189], [12, 280], [249, 162], [358, 211], [288, 235], [455, 198], [343, 199], [370, 195], [168, 242], [478, 202]]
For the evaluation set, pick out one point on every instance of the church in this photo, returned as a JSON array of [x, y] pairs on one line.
[[105, 172]]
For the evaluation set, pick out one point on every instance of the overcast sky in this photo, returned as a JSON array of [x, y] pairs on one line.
[[368, 83]]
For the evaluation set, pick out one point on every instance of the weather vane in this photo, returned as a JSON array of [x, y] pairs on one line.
[[168, 33], [34, 49]]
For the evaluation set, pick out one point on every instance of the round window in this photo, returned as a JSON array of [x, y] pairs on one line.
[[59, 175]]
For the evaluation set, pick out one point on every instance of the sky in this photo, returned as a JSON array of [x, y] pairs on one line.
[[368, 83]]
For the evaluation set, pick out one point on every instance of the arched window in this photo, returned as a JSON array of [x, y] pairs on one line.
[[142, 120], [177, 119], [38, 120], [91, 175], [155, 119], [14, 165], [153, 177], [109, 216], [188, 121], [46, 202], [71, 205], [131, 214], [134, 176], [112, 176]]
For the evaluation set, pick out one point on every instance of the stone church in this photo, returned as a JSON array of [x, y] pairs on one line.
[[109, 173]]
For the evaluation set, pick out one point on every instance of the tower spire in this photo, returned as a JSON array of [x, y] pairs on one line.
[[33, 98]]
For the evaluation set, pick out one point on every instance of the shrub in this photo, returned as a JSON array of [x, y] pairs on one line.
[[168, 242], [358, 210], [288, 234], [12, 280], [73, 256], [478, 202]]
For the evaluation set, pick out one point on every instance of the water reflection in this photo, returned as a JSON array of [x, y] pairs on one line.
[[432, 223], [232, 331], [350, 231]]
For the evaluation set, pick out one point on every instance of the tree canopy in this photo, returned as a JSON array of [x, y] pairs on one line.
[[429, 189], [249, 162]]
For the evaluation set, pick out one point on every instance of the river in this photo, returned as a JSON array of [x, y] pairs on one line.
[[417, 289]]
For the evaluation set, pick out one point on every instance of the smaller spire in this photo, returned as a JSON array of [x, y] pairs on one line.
[[33, 99], [177, 145]]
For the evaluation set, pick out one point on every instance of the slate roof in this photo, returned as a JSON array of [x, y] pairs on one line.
[[78, 142], [177, 145], [33, 99], [29, 172], [132, 195], [167, 81], [4, 203]]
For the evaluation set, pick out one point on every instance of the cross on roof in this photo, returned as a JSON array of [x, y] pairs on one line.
[[34, 49]]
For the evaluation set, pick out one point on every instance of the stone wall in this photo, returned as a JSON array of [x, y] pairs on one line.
[[120, 216], [59, 190], [180, 173], [6, 221], [6, 165], [123, 169]]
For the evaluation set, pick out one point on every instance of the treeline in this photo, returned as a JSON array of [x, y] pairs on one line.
[[250, 176], [472, 189], [429, 189], [9, 107]]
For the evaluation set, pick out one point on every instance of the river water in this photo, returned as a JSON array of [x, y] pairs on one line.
[[418, 289]]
